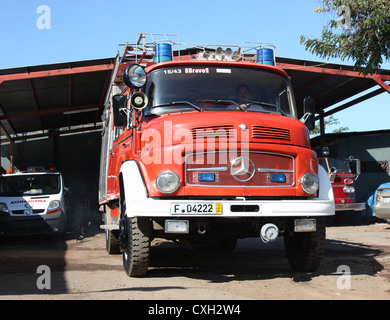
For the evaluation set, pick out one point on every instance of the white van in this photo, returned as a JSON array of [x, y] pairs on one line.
[[32, 202]]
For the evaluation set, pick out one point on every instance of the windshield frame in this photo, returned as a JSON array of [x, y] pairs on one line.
[[340, 165], [159, 106]]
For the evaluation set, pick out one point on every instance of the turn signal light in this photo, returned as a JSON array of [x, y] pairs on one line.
[[125, 157], [53, 211], [348, 181]]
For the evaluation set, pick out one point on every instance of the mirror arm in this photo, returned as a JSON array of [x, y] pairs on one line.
[[305, 117], [125, 111]]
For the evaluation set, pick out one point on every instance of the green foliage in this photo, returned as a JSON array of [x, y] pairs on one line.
[[360, 33], [328, 122]]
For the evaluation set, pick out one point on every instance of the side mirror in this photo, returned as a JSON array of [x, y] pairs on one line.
[[119, 104], [309, 111], [356, 168]]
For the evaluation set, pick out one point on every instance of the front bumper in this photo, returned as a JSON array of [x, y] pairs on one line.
[[351, 207], [382, 210], [151, 207], [35, 224]]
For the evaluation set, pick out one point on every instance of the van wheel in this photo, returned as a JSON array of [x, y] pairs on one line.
[[112, 241], [135, 250], [305, 250]]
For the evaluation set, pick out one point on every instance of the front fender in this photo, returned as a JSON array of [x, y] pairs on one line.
[[325, 191], [132, 186]]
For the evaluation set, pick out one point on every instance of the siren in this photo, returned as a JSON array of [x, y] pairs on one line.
[[266, 56], [219, 54], [228, 52], [139, 100], [163, 52]]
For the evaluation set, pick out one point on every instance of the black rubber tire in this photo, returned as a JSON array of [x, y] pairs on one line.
[[112, 241], [136, 249], [305, 250]]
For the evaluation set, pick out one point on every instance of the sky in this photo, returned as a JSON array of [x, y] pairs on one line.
[[78, 30]]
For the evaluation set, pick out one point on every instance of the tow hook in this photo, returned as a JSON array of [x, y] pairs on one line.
[[202, 228]]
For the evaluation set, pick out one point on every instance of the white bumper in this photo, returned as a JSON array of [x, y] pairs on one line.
[[277, 208], [139, 205]]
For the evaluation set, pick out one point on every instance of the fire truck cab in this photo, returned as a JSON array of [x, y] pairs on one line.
[[343, 173], [203, 146]]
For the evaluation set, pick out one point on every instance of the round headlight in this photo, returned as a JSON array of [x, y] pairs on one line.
[[134, 76], [167, 182], [310, 183]]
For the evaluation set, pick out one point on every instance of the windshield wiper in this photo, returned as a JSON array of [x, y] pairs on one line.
[[222, 102], [266, 104], [175, 103]]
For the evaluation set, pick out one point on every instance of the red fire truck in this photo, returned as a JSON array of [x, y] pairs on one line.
[[202, 145], [342, 174]]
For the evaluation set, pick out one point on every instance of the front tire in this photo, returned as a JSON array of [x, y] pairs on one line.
[[305, 250], [136, 248]]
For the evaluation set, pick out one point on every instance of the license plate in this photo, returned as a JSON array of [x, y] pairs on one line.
[[196, 208], [386, 200]]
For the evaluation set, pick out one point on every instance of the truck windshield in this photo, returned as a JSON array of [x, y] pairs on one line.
[[334, 165], [29, 185], [218, 88]]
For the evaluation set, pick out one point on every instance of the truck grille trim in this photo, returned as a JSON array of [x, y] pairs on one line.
[[263, 132], [253, 169], [220, 131]]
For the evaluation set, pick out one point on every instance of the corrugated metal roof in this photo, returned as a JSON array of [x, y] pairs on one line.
[[330, 84], [62, 96]]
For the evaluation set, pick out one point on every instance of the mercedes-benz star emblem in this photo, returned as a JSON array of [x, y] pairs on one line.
[[242, 169], [242, 126]]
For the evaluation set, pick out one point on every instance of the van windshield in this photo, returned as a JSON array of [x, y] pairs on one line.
[[29, 185], [218, 88]]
